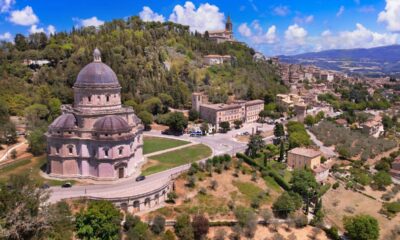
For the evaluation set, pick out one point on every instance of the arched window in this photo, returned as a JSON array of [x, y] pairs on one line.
[[120, 150], [57, 150], [106, 150], [108, 98], [70, 149], [89, 98]]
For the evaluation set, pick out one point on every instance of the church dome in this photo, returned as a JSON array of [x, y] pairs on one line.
[[64, 122], [111, 124], [96, 74]]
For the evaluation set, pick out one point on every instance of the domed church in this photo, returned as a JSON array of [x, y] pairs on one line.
[[96, 137]]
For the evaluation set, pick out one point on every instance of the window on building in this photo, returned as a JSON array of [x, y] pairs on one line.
[[89, 98], [71, 149], [106, 152], [107, 98], [58, 149], [120, 151]]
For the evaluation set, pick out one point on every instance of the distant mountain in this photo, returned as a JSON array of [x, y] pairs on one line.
[[377, 61]]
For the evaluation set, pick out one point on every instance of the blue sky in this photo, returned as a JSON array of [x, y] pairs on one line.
[[270, 26]]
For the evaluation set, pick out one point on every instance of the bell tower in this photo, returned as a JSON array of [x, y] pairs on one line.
[[228, 24]]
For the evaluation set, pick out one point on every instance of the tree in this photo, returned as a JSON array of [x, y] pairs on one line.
[[224, 126], [146, 118], [238, 123], [309, 120], [153, 105], [282, 151], [286, 203], [20, 42], [387, 123], [183, 228], [204, 127], [60, 220], [168, 235], [139, 232], [255, 144], [279, 130], [266, 215], [382, 179], [247, 220], [263, 114], [101, 220], [193, 115], [361, 227], [298, 139], [200, 227], [37, 142], [177, 122], [303, 182], [158, 224], [14, 154], [22, 215]]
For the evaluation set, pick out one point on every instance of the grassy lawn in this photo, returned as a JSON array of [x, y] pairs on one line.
[[31, 166], [248, 189], [176, 158], [155, 144], [271, 183]]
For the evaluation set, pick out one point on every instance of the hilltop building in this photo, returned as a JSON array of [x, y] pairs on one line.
[[299, 158], [395, 170], [225, 35], [96, 137], [245, 111], [217, 59]]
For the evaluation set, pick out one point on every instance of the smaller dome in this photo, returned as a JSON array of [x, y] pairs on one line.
[[111, 124], [64, 122]]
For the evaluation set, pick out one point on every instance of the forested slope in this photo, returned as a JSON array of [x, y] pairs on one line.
[[148, 58]]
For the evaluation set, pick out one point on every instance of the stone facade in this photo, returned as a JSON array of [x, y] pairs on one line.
[[298, 158], [245, 111], [96, 137], [225, 35]]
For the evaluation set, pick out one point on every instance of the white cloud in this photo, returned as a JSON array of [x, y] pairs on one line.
[[340, 12], [24, 17], [5, 5], [205, 17], [51, 30], [35, 29], [367, 9], [391, 15], [256, 35], [6, 36], [148, 15], [326, 33], [306, 19], [93, 21], [269, 37], [244, 30], [281, 10], [295, 34]]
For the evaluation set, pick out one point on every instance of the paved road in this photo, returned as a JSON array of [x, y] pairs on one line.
[[327, 151], [219, 143]]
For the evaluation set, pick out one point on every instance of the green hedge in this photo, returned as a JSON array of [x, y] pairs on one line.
[[278, 178]]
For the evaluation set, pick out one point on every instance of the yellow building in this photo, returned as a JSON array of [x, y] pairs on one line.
[[298, 158]]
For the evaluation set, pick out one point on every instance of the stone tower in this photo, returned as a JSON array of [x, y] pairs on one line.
[[228, 24], [96, 137]]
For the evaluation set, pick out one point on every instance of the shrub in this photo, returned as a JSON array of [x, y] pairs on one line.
[[335, 185], [158, 224], [332, 233], [361, 227]]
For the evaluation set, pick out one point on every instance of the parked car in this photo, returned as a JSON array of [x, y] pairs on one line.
[[45, 186], [246, 134], [140, 178], [66, 185]]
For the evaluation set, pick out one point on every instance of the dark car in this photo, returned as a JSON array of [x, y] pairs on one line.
[[140, 178], [45, 186], [66, 185]]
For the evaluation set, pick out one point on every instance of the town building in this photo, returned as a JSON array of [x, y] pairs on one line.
[[288, 100], [245, 111], [300, 157], [95, 137], [217, 59], [225, 35], [395, 171], [373, 126]]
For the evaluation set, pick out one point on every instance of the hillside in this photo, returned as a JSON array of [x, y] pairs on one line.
[[373, 61], [148, 58]]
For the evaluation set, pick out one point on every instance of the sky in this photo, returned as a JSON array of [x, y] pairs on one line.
[[273, 27]]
